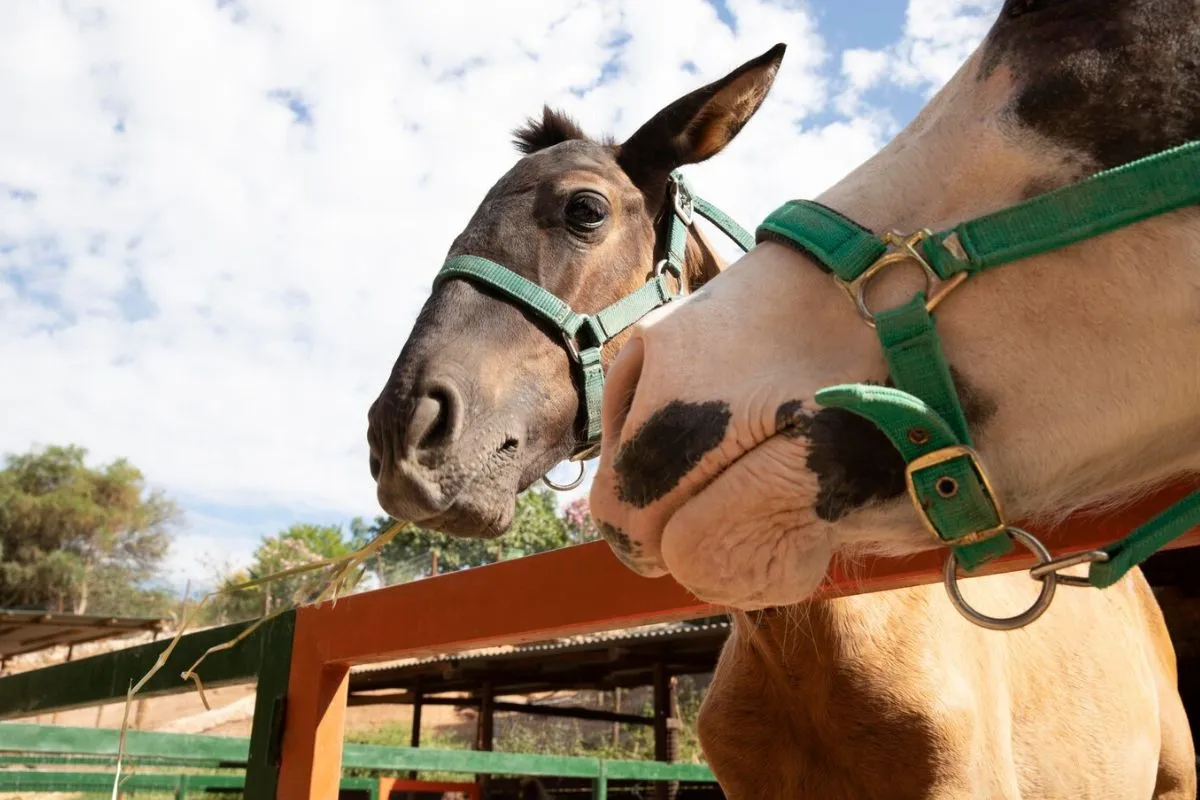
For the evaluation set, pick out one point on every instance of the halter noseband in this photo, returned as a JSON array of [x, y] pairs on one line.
[[922, 416], [584, 335]]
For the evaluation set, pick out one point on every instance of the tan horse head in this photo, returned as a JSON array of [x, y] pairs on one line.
[[1078, 367], [484, 398]]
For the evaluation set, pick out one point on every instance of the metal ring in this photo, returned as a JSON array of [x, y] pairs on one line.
[[1049, 584], [566, 487]]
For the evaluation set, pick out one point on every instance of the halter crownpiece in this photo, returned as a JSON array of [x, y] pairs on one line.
[[922, 416], [584, 335]]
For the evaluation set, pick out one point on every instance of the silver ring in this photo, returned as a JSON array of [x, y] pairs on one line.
[[566, 487], [1049, 584]]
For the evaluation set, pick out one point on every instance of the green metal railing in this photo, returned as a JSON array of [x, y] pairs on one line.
[[263, 658], [180, 785], [31, 744]]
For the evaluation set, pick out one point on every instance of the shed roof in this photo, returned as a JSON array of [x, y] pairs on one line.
[[24, 631], [623, 658]]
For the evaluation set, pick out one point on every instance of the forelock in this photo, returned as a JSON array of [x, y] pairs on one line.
[[553, 128]]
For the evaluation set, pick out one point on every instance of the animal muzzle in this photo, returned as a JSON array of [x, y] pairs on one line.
[[413, 438]]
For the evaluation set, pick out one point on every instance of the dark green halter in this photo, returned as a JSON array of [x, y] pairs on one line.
[[922, 416], [584, 335]]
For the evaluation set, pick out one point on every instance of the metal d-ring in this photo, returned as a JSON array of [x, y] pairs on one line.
[[566, 487], [1049, 584]]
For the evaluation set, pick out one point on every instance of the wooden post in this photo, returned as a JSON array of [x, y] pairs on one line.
[[311, 766], [415, 739], [616, 731], [666, 743], [485, 729]]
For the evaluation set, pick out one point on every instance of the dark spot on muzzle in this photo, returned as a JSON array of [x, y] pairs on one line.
[[668, 446], [791, 420], [618, 539], [627, 551], [853, 461]]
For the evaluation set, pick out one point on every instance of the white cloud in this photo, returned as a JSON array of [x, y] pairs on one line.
[[197, 276]]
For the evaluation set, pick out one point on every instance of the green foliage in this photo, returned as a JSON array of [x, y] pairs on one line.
[[79, 539], [536, 528], [299, 545]]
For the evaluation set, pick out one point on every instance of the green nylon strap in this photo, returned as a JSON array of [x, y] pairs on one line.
[[530, 295], [1145, 540], [726, 223], [632, 307], [593, 388], [1104, 202], [916, 429], [916, 363], [842, 246]]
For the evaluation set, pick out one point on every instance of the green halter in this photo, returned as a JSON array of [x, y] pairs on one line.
[[922, 416], [585, 334]]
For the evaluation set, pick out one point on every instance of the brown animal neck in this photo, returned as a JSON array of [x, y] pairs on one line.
[[702, 262]]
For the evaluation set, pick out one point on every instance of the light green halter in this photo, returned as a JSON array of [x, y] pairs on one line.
[[584, 335], [922, 416]]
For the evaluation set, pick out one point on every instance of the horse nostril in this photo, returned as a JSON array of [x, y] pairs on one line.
[[376, 466], [434, 420]]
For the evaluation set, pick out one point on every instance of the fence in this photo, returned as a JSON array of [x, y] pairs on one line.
[[301, 660]]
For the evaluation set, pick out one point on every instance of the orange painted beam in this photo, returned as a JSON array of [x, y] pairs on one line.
[[575, 590], [389, 785], [314, 724]]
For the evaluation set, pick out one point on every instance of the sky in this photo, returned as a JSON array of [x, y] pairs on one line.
[[219, 218]]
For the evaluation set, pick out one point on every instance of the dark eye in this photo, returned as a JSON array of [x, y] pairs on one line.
[[586, 211]]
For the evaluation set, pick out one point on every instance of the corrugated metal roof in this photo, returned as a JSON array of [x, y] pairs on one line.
[[610, 638], [24, 631]]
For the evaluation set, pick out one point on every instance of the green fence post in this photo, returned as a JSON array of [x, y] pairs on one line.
[[600, 785], [270, 701], [182, 792]]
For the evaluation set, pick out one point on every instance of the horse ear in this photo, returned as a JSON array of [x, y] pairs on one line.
[[700, 124]]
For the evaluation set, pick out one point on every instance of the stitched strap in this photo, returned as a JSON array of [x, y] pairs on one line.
[[528, 294], [916, 363], [1104, 202], [632, 307], [843, 247], [1145, 540], [922, 417], [725, 223]]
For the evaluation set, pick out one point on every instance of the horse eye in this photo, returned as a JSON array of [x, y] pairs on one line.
[[586, 211]]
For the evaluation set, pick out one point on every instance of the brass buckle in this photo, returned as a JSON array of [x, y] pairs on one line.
[[936, 289], [940, 457]]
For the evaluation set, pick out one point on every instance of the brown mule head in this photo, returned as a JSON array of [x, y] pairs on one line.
[[483, 398]]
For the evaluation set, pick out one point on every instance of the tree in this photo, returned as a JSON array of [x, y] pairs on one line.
[[536, 527], [75, 538], [299, 545], [580, 525]]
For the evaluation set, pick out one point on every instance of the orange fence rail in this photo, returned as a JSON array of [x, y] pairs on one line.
[[390, 786], [576, 590]]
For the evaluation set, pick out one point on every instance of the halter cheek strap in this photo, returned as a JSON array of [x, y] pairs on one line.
[[584, 335], [922, 416]]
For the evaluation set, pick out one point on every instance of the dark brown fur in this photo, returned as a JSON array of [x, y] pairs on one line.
[[1111, 81]]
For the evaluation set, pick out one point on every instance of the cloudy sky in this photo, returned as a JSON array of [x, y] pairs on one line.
[[218, 218]]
